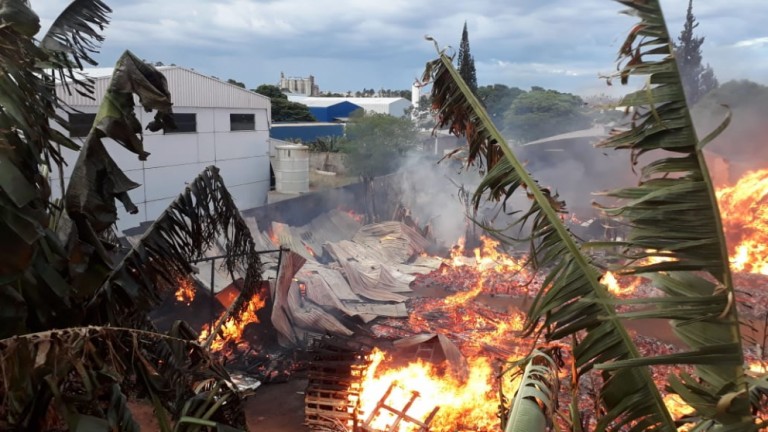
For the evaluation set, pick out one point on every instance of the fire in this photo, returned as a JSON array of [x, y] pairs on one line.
[[461, 405], [744, 211], [186, 291], [678, 409], [489, 269], [621, 287], [758, 367], [232, 330], [356, 216]]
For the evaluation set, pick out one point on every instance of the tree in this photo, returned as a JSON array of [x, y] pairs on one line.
[[376, 145], [75, 334], [284, 110], [466, 61], [497, 99], [541, 113], [698, 80], [236, 82]]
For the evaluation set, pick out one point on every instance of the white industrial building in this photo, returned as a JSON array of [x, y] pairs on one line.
[[219, 124], [393, 106]]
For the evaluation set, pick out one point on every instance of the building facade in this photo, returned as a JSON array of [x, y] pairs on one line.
[[218, 124], [393, 106], [298, 85]]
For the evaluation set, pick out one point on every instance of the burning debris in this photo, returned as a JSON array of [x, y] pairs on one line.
[[744, 212], [442, 327]]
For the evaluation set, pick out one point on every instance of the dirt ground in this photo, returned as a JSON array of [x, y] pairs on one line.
[[277, 407]]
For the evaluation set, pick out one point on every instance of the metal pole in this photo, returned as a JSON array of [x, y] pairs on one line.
[[213, 293]]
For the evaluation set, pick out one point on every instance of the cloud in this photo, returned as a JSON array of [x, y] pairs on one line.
[[749, 43], [351, 44]]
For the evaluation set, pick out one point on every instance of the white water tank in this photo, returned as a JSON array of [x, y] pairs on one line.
[[292, 168]]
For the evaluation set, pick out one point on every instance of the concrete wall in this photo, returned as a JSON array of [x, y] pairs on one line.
[[317, 161], [177, 158]]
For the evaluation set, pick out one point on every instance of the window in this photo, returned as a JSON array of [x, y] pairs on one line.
[[241, 122], [80, 124], [184, 123]]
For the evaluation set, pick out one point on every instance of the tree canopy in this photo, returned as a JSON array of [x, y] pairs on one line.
[[284, 110], [466, 61], [540, 113], [497, 99], [376, 143], [698, 79]]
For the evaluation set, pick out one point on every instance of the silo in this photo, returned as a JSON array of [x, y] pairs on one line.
[[292, 168]]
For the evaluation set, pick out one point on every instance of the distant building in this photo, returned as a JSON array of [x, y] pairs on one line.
[[218, 124], [325, 110], [299, 85], [305, 132], [393, 106]]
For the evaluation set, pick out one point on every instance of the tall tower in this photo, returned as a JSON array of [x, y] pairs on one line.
[[415, 94]]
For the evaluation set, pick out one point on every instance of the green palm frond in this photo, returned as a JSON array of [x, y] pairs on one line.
[[533, 406], [673, 215], [66, 379], [572, 300]]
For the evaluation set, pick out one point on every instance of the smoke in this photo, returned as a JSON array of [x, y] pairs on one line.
[[743, 146], [432, 192], [576, 171]]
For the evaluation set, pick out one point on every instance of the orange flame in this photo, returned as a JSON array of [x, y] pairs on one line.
[[232, 330], [462, 405], [623, 286], [356, 216], [186, 291], [744, 211]]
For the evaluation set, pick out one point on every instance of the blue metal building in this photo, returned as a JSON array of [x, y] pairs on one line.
[[329, 111], [306, 132]]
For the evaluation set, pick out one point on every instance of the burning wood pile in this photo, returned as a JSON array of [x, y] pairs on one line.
[[443, 327]]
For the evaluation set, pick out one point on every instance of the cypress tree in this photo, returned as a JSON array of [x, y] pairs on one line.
[[467, 62], [698, 80]]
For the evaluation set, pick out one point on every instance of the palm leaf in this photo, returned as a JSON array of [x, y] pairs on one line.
[[73, 33], [202, 215], [81, 376], [673, 214], [629, 395], [534, 401]]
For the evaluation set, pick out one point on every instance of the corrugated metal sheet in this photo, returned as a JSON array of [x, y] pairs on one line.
[[188, 89], [305, 132]]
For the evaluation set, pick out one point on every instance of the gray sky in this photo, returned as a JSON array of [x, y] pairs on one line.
[[356, 44]]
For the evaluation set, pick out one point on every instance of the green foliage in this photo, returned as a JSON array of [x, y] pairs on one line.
[[541, 113], [284, 110], [497, 99], [328, 144], [466, 61], [698, 79], [236, 82], [270, 91], [60, 270], [376, 143], [572, 301], [673, 214]]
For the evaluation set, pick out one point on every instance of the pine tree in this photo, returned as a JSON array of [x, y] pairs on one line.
[[467, 62], [698, 80]]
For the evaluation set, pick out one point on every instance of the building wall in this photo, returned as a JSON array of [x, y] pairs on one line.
[[332, 112], [177, 158], [306, 132]]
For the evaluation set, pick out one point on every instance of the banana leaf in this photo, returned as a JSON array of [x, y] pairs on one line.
[[673, 214], [533, 406], [81, 379], [629, 395]]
